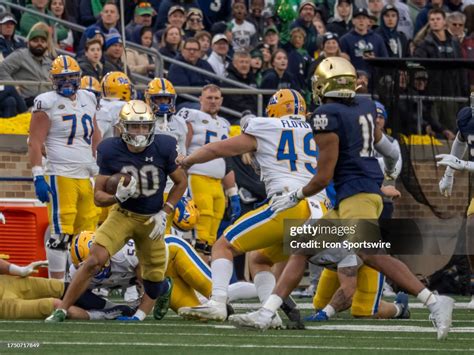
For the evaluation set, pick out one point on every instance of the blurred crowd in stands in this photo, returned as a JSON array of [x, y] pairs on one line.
[[268, 44]]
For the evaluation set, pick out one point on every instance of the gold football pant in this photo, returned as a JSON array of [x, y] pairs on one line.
[[366, 299], [189, 273], [28, 297], [208, 195]]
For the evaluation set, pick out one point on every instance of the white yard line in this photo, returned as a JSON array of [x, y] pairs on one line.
[[307, 305]]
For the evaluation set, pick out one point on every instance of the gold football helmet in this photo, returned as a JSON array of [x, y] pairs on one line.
[[116, 84], [80, 247], [334, 77], [91, 84], [186, 214], [137, 124], [157, 89], [66, 75], [286, 102]]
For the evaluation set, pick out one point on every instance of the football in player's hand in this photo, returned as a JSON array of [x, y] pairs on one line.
[[113, 181]]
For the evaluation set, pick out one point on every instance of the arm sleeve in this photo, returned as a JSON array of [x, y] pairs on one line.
[[459, 147], [389, 151]]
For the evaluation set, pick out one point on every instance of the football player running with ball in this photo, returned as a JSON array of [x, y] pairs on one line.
[[345, 133], [139, 213]]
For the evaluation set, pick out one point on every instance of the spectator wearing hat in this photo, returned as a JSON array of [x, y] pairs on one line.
[[194, 22], [307, 11], [8, 41], [218, 58], [181, 76], [109, 18], [271, 37], [240, 70], [278, 77], [341, 23], [171, 43], [244, 33], [361, 43], [255, 16], [256, 64], [142, 15], [176, 17], [139, 62], [92, 62], [395, 41], [166, 6], [299, 60], [114, 52], [205, 39], [32, 63]]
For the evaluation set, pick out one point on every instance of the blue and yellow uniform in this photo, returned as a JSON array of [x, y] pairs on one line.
[[466, 129], [150, 168]]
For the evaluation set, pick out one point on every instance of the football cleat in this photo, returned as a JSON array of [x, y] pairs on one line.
[[162, 303], [262, 319], [402, 301], [128, 319], [58, 316], [441, 315], [117, 311], [131, 295], [287, 102], [319, 316], [211, 310]]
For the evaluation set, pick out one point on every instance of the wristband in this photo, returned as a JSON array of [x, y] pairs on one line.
[[37, 171], [231, 191], [170, 205], [15, 270], [299, 194]]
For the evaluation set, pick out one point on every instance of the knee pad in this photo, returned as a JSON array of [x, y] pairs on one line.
[[155, 289], [59, 241], [57, 259]]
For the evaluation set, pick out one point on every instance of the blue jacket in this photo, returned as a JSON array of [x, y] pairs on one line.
[[355, 45], [8, 46]]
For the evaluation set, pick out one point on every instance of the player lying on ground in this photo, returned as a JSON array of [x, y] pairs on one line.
[[345, 134]]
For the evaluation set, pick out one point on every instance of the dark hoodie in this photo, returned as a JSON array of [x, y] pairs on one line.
[[395, 41], [241, 102]]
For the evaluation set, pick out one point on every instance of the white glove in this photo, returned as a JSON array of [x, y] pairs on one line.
[[125, 192], [390, 174], [160, 225], [26, 270], [451, 161], [286, 201], [446, 182]]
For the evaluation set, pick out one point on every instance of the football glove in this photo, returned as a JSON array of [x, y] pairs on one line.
[[235, 207], [446, 183], [125, 192], [452, 161], [160, 220], [42, 189], [286, 201], [27, 270]]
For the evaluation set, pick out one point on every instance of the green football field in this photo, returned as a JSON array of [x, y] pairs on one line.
[[174, 335]]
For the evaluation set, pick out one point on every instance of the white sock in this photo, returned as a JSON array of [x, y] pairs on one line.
[[222, 270], [242, 290], [95, 315], [264, 283], [330, 311], [140, 314], [273, 303], [427, 297]]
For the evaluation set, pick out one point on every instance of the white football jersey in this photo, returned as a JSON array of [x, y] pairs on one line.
[[286, 152], [206, 129], [122, 269], [69, 140], [177, 128], [108, 116]]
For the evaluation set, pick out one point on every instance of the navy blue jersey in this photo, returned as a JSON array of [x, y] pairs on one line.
[[466, 127], [357, 169], [150, 168]]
